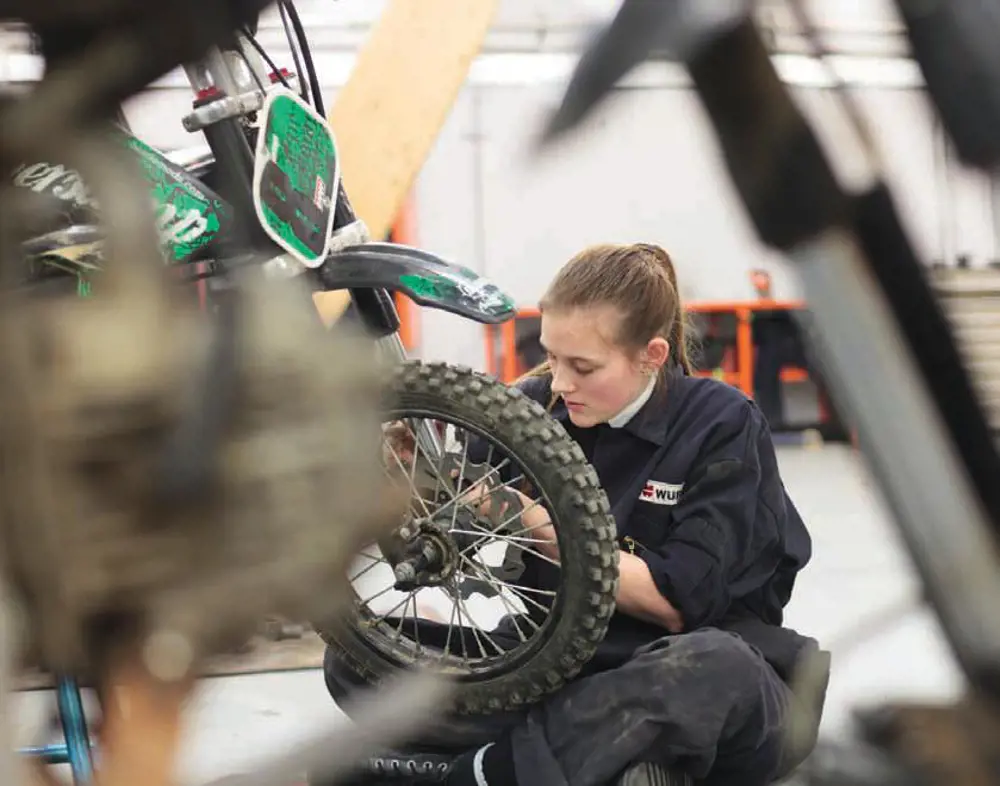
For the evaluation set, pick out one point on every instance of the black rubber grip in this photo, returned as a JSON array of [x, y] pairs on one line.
[[773, 157], [955, 43]]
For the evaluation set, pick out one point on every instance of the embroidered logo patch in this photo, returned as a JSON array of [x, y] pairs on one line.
[[660, 493]]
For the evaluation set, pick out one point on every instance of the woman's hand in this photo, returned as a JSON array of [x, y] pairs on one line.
[[399, 449], [398, 444], [536, 524]]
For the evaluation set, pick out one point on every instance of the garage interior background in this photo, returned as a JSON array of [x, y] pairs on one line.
[[645, 167]]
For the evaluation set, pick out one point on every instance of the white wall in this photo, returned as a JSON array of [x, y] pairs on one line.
[[646, 167]]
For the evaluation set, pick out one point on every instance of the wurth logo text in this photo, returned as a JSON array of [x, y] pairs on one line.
[[660, 493]]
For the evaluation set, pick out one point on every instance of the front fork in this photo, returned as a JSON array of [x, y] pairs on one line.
[[428, 440]]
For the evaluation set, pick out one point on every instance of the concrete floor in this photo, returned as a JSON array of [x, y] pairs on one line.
[[858, 570]]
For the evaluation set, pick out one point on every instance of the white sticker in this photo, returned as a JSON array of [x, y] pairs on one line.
[[660, 493]]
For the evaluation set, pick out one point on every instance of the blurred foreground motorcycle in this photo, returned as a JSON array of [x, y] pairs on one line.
[[876, 322]]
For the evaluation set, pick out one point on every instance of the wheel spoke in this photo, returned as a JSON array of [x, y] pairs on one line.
[[411, 477], [494, 532], [475, 634], [378, 594], [451, 628], [498, 536], [461, 627], [490, 579], [374, 564]]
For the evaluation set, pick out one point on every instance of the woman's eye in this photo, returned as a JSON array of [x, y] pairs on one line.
[[583, 372]]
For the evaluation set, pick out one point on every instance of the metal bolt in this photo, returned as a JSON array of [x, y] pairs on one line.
[[405, 572]]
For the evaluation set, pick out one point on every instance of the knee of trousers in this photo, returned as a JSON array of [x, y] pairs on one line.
[[722, 657]]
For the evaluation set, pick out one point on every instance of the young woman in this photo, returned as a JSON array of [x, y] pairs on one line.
[[691, 680]]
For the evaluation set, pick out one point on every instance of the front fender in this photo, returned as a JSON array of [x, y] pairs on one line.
[[427, 279]]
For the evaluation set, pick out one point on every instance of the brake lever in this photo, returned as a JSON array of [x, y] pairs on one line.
[[955, 45], [640, 30]]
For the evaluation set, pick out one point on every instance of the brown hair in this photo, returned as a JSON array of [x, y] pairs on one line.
[[637, 279]]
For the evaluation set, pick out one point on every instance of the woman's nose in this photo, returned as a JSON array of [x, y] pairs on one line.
[[561, 383]]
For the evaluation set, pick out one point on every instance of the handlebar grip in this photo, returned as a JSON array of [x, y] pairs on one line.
[[773, 157], [954, 42]]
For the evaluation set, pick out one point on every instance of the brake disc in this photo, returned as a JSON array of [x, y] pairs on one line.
[[439, 480]]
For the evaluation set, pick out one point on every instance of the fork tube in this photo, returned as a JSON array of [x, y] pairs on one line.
[[234, 160], [428, 439]]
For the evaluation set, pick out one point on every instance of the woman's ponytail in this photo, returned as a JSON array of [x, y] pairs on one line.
[[676, 331]]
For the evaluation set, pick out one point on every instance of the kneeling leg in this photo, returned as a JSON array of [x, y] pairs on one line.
[[704, 702]]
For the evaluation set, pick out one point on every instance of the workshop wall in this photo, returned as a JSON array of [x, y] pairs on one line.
[[645, 166]]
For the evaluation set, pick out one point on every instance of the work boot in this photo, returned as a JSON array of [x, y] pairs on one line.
[[396, 768], [646, 774]]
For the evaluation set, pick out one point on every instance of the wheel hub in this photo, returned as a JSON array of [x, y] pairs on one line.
[[429, 558]]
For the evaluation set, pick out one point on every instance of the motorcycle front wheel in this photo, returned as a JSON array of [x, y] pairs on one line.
[[465, 543]]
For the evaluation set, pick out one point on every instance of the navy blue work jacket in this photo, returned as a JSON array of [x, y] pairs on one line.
[[695, 491]]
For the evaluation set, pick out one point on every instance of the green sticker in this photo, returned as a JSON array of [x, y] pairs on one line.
[[186, 219], [423, 286], [296, 177], [483, 296]]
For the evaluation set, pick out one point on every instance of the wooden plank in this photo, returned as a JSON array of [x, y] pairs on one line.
[[399, 95], [262, 655], [141, 725]]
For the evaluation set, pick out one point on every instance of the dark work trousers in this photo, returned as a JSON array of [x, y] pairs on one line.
[[779, 344], [703, 702]]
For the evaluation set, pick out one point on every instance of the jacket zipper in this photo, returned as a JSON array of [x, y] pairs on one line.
[[633, 545]]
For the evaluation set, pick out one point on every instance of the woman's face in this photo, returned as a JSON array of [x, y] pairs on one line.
[[595, 378]]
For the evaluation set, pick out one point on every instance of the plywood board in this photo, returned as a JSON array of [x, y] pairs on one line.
[[261, 655], [389, 114]]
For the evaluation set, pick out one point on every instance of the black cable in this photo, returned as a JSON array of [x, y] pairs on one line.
[[300, 33], [266, 58], [303, 85]]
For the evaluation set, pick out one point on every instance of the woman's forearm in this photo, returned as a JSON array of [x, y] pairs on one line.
[[638, 595]]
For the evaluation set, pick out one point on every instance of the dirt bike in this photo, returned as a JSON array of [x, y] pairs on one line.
[[273, 174]]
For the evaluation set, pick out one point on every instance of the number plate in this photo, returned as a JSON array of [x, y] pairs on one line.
[[296, 177]]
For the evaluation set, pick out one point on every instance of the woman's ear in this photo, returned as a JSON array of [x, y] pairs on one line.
[[656, 352]]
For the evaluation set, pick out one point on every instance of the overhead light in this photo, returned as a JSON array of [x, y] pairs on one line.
[[540, 68]]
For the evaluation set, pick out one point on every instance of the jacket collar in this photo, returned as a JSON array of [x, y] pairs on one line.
[[629, 412], [655, 411]]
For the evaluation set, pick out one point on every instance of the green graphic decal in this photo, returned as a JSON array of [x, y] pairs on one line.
[[481, 295], [187, 219], [424, 286], [296, 177]]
